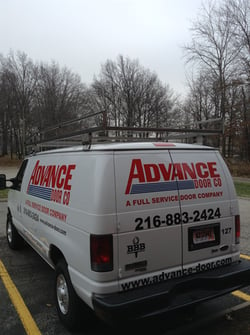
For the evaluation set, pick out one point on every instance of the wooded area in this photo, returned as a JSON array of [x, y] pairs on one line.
[[220, 86], [36, 96]]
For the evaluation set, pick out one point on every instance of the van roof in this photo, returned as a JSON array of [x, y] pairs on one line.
[[124, 146]]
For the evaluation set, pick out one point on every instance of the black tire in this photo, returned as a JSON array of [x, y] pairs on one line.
[[68, 304], [15, 241]]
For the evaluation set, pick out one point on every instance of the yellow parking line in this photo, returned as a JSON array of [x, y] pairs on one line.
[[23, 312], [245, 256], [241, 295]]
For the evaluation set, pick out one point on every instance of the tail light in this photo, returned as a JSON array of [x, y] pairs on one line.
[[237, 229], [101, 252]]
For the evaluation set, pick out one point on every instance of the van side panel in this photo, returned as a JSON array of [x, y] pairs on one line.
[[65, 200]]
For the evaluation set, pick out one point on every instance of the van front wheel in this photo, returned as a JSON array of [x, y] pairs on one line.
[[15, 241], [67, 301]]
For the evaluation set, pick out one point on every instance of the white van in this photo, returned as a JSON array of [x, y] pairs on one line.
[[131, 229]]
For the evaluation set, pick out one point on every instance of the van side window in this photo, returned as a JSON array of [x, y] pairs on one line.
[[17, 181]]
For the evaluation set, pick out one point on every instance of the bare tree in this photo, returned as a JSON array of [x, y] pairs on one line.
[[59, 94], [238, 12], [131, 95], [212, 48], [60, 97], [34, 97], [20, 76], [199, 100]]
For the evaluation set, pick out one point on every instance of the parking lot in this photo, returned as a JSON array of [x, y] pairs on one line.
[[27, 301]]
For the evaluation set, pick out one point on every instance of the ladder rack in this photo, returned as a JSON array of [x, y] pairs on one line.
[[85, 131]]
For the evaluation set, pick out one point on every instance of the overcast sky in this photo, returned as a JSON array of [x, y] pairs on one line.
[[83, 34]]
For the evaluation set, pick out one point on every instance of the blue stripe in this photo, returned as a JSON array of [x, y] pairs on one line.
[[40, 192], [162, 187], [186, 184]]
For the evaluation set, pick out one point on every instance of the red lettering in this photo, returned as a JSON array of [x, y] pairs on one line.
[[33, 176], [43, 175], [56, 196], [47, 175], [166, 173], [201, 169], [152, 172], [39, 174], [189, 170], [52, 176], [178, 172], [136, 172], [59, 179], [213, 169], [68, 177], [181, 171]]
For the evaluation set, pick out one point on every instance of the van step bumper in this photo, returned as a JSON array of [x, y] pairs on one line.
[[172, 295]]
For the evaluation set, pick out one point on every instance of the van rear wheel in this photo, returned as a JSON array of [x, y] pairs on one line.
[[15, 241], [67, 301]]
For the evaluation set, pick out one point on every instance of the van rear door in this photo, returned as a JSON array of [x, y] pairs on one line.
[[206, 209], [147, 206]]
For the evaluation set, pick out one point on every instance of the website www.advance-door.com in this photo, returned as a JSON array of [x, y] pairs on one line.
[[165, 276]]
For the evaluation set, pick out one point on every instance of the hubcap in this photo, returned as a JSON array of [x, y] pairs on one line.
[[62, 294], [9, 232]]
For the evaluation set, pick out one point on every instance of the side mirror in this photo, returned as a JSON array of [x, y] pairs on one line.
[[3, 182], [14, 182]]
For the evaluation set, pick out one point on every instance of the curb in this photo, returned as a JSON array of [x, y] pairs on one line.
[[244, 198]]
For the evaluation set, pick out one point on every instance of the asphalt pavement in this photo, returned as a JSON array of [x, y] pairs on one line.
[[34, 280]]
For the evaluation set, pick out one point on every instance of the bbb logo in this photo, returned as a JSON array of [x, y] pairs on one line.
[[136, 247]]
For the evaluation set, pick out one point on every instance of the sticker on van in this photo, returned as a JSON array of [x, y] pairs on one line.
[[51, 182], [146, 178]]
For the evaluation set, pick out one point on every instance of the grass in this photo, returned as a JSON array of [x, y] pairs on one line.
[[3, 194], [242, 189]]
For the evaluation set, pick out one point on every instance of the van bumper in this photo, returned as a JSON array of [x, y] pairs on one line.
[[171, 295]]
